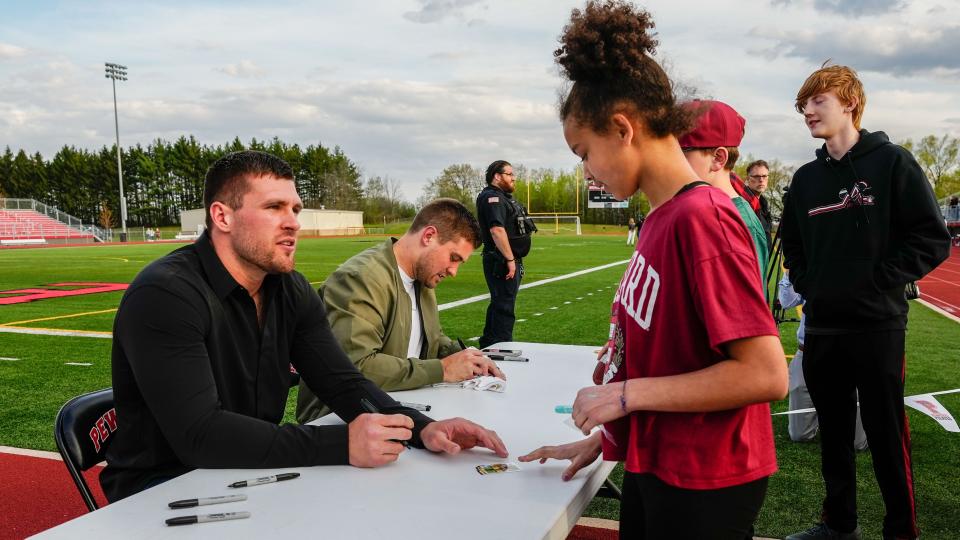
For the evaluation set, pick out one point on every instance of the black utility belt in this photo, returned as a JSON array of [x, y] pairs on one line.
[[499, 256]]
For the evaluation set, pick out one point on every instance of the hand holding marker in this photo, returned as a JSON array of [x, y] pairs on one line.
[[370, 408]]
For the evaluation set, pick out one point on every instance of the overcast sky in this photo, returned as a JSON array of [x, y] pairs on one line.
[[407, 87]]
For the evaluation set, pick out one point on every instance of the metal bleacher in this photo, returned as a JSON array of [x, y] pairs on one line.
[[28, 222]]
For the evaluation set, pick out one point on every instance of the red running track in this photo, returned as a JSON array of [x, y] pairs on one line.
[[942, 286]]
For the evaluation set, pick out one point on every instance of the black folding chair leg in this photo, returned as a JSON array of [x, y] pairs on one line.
[[609, 490]]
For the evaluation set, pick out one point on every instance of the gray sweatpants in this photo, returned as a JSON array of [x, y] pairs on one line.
[[803, 427]]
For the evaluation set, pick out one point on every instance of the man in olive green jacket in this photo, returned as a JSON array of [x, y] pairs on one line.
[[395, 341]]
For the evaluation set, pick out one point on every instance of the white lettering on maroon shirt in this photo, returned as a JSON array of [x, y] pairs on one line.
[[639, 301]]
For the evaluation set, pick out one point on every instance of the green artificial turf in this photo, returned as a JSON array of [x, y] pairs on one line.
[[34, 387]]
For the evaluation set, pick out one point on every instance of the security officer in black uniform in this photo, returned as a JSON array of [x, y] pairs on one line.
[[506, 229]]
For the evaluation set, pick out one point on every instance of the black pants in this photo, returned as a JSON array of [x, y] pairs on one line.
[[652, 510], [835, 367], [503, 297]]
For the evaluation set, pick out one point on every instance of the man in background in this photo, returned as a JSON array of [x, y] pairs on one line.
[[383, 311], [506, 229]]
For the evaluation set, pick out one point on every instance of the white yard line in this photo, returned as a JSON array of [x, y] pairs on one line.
[[48, 332], [481, 297]]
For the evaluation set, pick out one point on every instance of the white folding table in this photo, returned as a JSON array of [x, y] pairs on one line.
[[422, 495]]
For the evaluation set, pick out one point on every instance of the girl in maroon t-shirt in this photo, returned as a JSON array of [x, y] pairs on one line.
[[694, 356]]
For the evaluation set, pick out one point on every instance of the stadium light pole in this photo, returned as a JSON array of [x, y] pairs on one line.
[[116, 72]]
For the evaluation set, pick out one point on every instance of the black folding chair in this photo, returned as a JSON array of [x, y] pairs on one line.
[[83, 431]]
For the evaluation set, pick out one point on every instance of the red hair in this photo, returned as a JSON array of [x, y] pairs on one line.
[[840, 79]]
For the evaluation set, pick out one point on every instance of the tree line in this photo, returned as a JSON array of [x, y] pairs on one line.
[[541, 190], [164, 178], [555, 191]]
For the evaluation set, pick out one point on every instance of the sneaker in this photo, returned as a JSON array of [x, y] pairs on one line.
[[821, 531]]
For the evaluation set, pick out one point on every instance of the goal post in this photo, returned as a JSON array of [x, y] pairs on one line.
[[558, 222]]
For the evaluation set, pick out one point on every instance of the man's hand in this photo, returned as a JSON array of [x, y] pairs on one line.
[[455, 434], [580, 454], [467, 364], [369, 438], [511, 270]]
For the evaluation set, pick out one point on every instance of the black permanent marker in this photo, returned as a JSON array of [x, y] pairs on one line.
[[190, 520], [203, 501], [371, 408], [506, 358], [265, 480], [415, 406]]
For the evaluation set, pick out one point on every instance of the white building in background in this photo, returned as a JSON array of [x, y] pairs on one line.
[[312, 222]]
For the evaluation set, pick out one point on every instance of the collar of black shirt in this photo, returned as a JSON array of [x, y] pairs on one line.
[[218, 277], [495, 188]]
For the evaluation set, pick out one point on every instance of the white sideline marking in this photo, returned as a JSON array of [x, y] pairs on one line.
[[554, 307], [939, 310], [46, 332], [480, 297], [812, 409], [9, 359], [29, 452], [567, 302], [77, 364], [521, 320], [537, 314]]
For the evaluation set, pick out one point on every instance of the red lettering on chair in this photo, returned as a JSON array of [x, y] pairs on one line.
[[102, 428], [95, 437], [111, 418]]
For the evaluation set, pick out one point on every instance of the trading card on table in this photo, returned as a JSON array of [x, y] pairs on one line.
[[495, 468]]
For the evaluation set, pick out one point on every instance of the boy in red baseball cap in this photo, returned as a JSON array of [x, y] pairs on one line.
[[711, 148]]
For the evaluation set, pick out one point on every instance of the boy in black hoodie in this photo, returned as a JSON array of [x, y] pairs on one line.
[[859, 223]]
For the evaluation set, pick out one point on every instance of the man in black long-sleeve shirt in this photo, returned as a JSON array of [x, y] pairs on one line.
[[204, 339]]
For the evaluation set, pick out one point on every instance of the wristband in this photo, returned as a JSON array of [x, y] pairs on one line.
[[510, 260]]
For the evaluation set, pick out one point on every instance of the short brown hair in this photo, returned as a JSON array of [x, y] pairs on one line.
[[733, 154], [757, 163], [226, 179], [452, 220], [840, 79]]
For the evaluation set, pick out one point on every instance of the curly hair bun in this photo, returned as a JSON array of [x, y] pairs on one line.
[[605, 52], [605, 41]]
